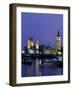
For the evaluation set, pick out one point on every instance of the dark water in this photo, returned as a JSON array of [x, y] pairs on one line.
[[35, 69]]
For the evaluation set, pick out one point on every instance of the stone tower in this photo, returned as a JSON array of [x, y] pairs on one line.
[[58, 41]]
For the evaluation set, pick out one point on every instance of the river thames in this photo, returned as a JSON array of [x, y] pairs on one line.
[[47, 68]]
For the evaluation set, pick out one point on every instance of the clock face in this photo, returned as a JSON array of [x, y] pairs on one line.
[[58, 38]]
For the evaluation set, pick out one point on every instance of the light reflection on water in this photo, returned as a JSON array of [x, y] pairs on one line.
[[40, 70]]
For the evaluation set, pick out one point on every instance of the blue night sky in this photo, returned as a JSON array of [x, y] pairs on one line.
[[42, 27]]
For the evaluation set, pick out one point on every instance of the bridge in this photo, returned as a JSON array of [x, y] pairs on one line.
[[48, 58], [40, 56]]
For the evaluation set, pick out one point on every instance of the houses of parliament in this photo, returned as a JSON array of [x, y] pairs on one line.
[[37, 48]]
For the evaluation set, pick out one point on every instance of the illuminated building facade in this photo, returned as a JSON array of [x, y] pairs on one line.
[[38, 49], [37, 44], [30, 43]]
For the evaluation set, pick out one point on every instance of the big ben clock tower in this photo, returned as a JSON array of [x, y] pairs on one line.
[[58, 41]]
